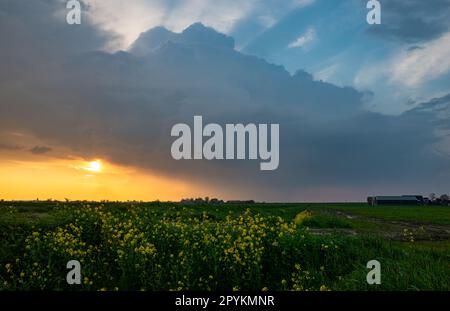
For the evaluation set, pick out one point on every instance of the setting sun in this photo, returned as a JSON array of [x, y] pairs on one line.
[[87, 180], [94, 166]]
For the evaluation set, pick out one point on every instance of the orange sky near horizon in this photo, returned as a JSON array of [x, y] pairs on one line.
[[96, 180]]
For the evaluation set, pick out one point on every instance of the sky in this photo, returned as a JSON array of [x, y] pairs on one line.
[[86, 110]]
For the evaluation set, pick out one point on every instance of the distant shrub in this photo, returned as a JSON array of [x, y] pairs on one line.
[[301, 217]]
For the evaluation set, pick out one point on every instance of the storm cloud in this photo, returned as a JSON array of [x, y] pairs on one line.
[[70, 94], [37, 150], [413, 21]]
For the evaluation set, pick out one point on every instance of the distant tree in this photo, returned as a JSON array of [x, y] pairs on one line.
[[432, 196], [444, 198]]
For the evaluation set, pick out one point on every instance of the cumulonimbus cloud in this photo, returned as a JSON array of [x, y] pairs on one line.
[[121, 107], [130, 18]]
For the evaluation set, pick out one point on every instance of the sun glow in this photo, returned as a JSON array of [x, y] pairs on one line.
[[94, 166], [91, 166], [98, 179]]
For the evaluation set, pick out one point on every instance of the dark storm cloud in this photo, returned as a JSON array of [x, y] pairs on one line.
[[38, 150], [122, 106], [34, 35], [10, 147], [413, 20]]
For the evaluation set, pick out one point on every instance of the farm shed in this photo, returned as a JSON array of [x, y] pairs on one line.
[[395, 200]]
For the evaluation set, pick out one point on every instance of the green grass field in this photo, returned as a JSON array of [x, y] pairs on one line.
[[162, 246]]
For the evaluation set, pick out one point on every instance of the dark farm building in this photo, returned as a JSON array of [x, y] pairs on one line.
[[396, 200]]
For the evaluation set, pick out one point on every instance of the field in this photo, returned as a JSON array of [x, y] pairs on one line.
[[167, 246]]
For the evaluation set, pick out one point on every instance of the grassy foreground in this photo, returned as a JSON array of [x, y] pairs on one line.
[[160, 246]]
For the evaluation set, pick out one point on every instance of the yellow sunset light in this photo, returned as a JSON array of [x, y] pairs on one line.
[[94, 179], [94, 166]]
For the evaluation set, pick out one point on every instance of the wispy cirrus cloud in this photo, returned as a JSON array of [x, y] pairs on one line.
[[423, 64], [408, 75], [306, 38]]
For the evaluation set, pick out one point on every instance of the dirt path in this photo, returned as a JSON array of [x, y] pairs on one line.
[[394, 230]]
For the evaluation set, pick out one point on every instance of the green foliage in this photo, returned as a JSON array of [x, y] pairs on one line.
[[324, 221], [420, 214], [170, 247]]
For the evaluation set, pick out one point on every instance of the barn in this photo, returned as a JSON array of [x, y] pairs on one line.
[[396, 200]]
